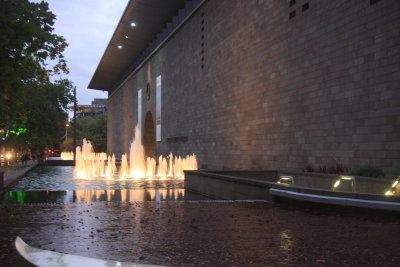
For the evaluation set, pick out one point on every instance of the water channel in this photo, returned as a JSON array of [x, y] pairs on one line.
[[46, 184]]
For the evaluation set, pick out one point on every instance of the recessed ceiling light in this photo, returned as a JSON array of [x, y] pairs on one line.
[[119, 46], [133, 24]]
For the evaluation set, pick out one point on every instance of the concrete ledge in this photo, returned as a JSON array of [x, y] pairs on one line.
[[226, 187], [340, 201], [1, 180], [308, 187], [10, 180]]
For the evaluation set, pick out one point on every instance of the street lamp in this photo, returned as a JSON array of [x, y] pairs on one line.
[[66, 131]]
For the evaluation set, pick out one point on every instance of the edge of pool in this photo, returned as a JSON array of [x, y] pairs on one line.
[[10, 180], [231, 185]]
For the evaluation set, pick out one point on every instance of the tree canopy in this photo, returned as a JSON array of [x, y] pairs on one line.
[[93, 129], [30, 54]]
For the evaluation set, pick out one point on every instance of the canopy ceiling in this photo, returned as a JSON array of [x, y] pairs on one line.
[[150, 16]]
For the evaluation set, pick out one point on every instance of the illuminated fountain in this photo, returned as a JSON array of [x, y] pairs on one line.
[[137, 163], [90, 165], [67, 155]]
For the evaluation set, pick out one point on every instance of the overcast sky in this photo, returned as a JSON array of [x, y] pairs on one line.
[[87, 25]]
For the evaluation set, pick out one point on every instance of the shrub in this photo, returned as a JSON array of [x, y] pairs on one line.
[[394, 173], [337, 169], [308, 168], [368, 171]]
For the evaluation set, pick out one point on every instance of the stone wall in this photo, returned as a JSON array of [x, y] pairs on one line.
[[246, 87]]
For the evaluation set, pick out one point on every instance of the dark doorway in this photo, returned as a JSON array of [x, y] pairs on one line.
[[149, 137]]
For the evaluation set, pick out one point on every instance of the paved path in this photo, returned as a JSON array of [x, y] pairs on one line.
[[203, 233]]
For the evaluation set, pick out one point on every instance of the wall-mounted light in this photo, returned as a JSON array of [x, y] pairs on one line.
[[126, 36], [392, 189], [133, 24], [119, 46], [285, 180], [349, 181]]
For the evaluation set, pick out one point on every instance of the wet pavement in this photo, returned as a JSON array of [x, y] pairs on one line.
[[203, 233]]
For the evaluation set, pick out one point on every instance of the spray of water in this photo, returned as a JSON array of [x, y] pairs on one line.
[[90, 165]]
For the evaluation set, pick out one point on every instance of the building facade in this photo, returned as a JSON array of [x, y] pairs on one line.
[[263, 84], [97, 108]]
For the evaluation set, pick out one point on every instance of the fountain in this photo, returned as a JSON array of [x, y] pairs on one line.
[[90, 165], [67, 155]]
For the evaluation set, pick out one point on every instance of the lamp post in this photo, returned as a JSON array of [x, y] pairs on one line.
[[66, 131], [74, 143]]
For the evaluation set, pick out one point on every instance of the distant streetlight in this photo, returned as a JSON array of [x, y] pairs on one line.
[[74, 139], [66, 131]]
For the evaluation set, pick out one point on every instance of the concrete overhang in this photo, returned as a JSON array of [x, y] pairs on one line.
[[150, 16]]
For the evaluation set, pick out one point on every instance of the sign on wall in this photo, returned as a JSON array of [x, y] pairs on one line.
[[158, 108], [139, 105]]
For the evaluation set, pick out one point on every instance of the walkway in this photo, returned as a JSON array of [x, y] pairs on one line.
[[202, 234]]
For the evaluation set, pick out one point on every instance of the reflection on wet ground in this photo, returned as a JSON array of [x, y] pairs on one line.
[[201, 234], [123, 195]]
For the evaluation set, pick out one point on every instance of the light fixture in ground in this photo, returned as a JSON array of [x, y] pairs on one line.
[[285, 180], [392, 190], [348, 179]]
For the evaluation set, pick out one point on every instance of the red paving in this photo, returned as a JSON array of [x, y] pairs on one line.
[[203, 234]]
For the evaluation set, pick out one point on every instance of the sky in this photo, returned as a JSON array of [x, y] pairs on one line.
[[87, 26]]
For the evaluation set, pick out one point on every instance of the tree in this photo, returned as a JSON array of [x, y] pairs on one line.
[[46, 114], [29, 55], [93, 129]]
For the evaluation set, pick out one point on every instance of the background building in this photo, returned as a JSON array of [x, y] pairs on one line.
[[257, 84], [96, 109]]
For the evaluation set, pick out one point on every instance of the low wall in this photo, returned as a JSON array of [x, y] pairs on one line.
[[11, 179], [256, 184], [221, 185]]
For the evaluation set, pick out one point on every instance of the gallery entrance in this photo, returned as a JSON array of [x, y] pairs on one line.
[[149, 137]]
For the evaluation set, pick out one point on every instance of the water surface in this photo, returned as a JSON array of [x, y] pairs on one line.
[[56, 184]]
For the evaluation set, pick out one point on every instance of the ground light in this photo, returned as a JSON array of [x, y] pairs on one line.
[[286, 180], [345, 180], [392, 189]]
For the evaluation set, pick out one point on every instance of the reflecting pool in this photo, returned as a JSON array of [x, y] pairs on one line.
[[56, 184]]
